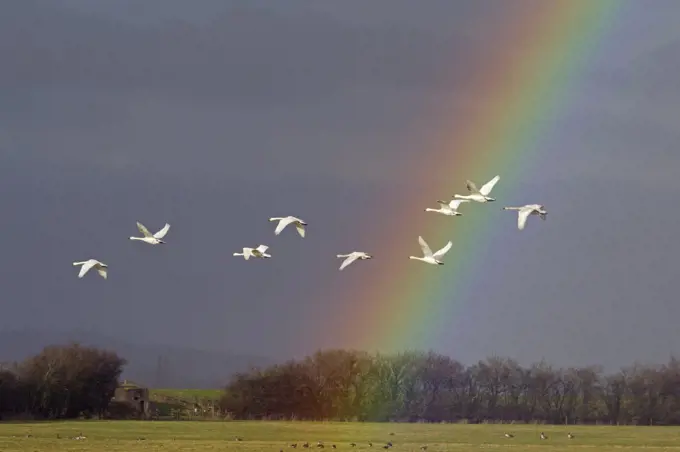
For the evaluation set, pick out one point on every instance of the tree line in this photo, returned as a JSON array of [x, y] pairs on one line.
[[60, 382], [430, 387], [75, 381]]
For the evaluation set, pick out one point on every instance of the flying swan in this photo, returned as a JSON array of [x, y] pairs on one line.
[[351, 257], [525, 211], [479, 195], [260, 251], [88, 264], [285, 221], [448, 208], [151, 239], [428, 257]]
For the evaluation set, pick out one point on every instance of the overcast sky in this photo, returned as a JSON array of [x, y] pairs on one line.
[[215, 115]]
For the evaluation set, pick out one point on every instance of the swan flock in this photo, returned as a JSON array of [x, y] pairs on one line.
[[450, 208]]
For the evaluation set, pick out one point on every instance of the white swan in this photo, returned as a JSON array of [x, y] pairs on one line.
[[448, 208], [479, 195], [428, 256], [351, 257], [152, 239], [525, 211], [260, 251], [88, 264], [285, 221], [247, 252]]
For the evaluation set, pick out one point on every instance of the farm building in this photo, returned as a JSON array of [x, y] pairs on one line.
[[135, 396]]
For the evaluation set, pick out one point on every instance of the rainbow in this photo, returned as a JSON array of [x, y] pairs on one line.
[[519, 89]]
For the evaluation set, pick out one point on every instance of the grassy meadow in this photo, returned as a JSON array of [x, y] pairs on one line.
[[167, 401], [131, 436], [186, 394]]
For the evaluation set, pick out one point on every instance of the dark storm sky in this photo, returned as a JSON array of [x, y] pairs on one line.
[[215, 115]]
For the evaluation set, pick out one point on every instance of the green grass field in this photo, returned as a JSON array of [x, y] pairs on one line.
[[167, 401], [275, 436], [186, 394]]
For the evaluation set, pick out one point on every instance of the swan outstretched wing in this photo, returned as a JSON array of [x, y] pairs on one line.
[[427, 252], [443, 251], [539, 209], [145, 232], [86, 267], [472, 188], [282, 224], [351, 258], [486, 188], [522, 216], [455, 203], [103, 271], [259, 251], [300, 229], [160, 234]]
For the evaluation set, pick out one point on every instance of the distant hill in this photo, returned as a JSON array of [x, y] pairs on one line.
[[156, 366]]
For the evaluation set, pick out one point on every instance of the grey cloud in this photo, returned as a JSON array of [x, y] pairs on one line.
[[304, 79], [289, 59]]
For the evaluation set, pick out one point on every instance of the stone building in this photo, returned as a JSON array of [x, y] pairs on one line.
[[135, 396]]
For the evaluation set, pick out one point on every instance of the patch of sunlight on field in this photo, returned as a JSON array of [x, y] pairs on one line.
[[132, 436]]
